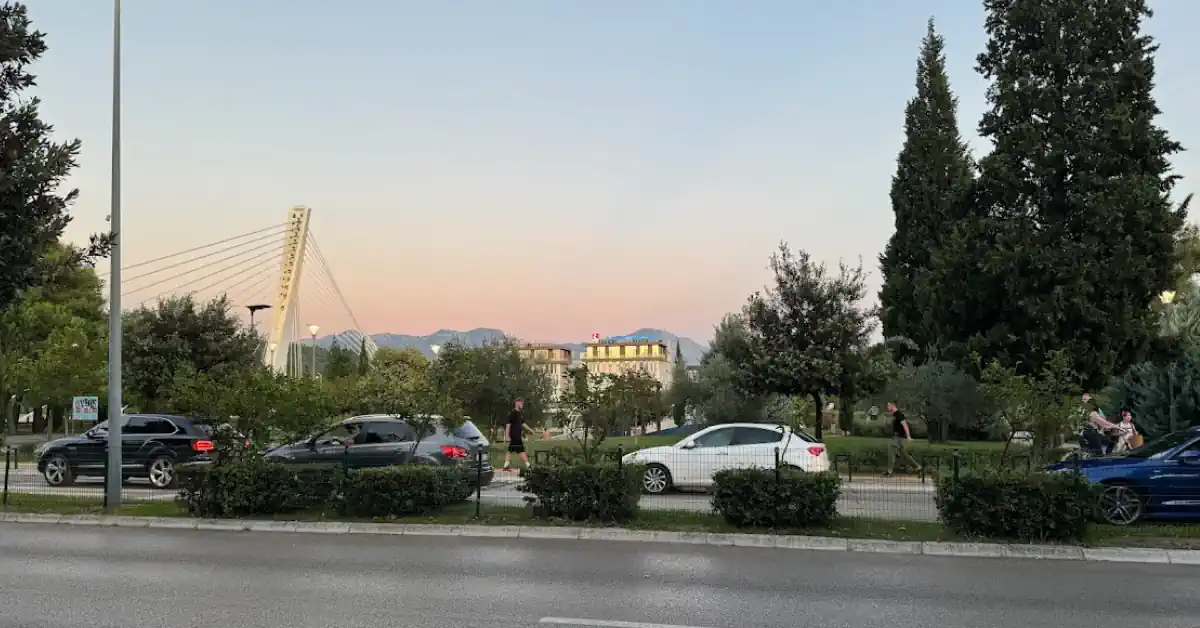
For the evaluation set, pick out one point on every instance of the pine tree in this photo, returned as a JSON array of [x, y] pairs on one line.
[[364, 360], [933, 172], [1073, 205], [33, 213], [681, 388]]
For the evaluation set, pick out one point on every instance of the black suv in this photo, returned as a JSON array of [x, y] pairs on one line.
[[381, 440], [151, 447]]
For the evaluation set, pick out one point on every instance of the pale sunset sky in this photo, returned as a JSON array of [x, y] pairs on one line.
[[551, 168]]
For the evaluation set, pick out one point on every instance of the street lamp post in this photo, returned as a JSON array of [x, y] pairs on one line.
[[313, 329], [254, 309], [436, 349], [1168, 300], [112, 484]]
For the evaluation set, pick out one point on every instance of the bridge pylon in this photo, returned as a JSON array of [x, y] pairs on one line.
[[287, 296]]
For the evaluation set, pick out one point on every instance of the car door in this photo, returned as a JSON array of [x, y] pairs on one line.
[[1183, 482], [382, 444], [706, 454], [164, 437], [754, 447], [89, 455], [134, 453]]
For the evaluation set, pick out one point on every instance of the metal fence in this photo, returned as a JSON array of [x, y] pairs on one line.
[[677, 481]]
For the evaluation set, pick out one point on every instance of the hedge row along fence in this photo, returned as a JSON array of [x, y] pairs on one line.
[[994, 504]]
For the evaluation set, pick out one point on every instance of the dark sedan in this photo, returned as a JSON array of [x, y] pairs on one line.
[[380, 440], [1160, 480]]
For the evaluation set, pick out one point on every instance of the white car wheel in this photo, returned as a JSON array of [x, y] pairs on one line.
[[656, 480]]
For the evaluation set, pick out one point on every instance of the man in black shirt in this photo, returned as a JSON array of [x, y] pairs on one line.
[[514, 431], [901, 434]]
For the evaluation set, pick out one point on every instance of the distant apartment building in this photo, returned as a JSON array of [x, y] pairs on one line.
[[693, 372], [622, 354], [552, 360]]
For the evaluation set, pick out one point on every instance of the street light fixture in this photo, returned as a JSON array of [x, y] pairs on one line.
[[313, 329], [436, 349], [256, 308]]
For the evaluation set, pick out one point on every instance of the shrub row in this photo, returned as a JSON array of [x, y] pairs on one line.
[[989, 504], [257, 487], [1010, 505]]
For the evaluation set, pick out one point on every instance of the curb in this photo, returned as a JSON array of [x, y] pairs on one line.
[[784, 541]]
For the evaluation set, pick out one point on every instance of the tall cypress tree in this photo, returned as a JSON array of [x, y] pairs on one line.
[[1076, 194], [933, 172]]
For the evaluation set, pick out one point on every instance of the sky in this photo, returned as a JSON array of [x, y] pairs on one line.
[[546, 167]]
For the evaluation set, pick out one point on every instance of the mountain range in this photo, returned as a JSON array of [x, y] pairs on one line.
[[692, 350]]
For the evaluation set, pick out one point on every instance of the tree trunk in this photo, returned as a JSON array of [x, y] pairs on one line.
[[820, 412], [58, 422], [39, 420], [944, 429]]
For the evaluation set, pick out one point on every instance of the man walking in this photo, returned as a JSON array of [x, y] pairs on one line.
[[514, 431], [901, 434]]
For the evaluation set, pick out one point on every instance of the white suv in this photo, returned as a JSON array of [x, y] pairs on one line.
[[692, 462]]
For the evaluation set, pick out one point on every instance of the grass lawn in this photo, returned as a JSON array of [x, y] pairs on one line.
[[1149, 535]]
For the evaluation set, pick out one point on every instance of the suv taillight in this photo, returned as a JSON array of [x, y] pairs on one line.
[[450, 451], [816, 451], [202, 445]]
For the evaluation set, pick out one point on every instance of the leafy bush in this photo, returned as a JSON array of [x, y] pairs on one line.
[[585, 492], [254, 486], [401, 490], [794, 499], [1032, 507]]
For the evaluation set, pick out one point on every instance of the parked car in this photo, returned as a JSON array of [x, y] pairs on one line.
[[380, 440], [1159, 480], [692, 462], [152, 446]]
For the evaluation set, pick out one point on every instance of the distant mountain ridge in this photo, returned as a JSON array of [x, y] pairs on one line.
[[692, 350]]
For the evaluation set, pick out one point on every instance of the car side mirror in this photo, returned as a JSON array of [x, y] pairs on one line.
[[688, 445], [1190, 458]]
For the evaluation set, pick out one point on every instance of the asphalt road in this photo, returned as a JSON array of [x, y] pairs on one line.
[[873, 498], [69, 577]]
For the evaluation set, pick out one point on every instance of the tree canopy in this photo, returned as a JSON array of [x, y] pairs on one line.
[[34, 210]]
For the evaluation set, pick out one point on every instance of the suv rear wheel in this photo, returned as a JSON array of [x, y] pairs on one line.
[[161, 472]]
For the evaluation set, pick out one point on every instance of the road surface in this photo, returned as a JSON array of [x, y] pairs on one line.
[[864, 497], [70, 577]]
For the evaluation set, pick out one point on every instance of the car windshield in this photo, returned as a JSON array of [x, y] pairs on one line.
[[1159, 446]]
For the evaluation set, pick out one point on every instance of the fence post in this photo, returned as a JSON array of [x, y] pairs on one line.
[[478, 481], [8, 456], [954, 464], [921, 471], [621, 460], [778, 491], [849, 468]]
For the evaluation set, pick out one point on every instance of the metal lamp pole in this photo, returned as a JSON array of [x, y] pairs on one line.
[[1168, 300], [313, 329], [112, 485]]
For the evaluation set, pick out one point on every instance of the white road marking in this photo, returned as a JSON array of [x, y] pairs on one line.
[[604, 623]]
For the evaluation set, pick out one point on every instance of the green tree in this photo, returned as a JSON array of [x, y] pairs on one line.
[[340, 363], [933, 173], [179, 332], [944, 396], [487, 380], [33, 208], [364, 359], [599, 405], [804, 330], [41, 326], [682, 390], [1072, 232]]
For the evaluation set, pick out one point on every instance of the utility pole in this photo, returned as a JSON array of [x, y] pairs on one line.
[[313, 329], [112, 484]]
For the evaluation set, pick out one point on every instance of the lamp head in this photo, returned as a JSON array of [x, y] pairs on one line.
[[313, 329]]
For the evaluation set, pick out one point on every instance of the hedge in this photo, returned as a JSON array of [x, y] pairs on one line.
[[603, 492], [763, 498], [1027, 507], [255, 486], [401, 490]]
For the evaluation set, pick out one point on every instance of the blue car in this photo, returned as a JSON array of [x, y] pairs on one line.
[[1160, 480]]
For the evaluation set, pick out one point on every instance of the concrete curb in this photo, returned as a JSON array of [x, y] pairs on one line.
[[783, 541]]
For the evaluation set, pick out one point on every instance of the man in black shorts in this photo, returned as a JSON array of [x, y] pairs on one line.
[[514, 431]]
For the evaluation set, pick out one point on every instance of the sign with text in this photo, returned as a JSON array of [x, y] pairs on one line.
[[85, 409]]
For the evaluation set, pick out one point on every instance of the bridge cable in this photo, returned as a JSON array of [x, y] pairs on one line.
[[221, 270], [333, 281], [280, 228], [240, 254], [206, 255]]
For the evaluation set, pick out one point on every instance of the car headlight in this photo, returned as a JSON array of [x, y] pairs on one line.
[[39, 450]]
